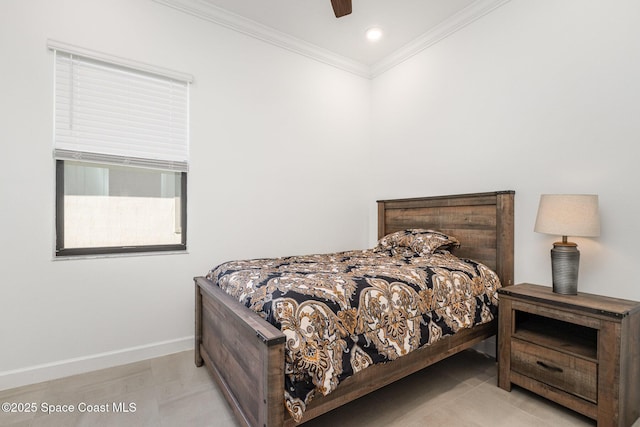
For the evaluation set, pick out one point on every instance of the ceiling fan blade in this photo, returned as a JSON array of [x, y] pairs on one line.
[[341, 7]]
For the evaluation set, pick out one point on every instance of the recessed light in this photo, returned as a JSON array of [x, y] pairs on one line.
[[374, 34]]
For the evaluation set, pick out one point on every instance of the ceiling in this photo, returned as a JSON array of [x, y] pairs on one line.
[[313, 21], [310, 27]]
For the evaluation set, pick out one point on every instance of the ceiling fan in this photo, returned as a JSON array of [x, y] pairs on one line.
[[341, 7]]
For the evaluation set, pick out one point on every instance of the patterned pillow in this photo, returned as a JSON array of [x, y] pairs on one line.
[[416, 241]]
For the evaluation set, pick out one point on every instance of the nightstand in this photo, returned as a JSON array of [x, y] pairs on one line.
[[581, 351]]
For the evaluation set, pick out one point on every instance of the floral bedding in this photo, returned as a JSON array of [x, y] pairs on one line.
[[343, 312]]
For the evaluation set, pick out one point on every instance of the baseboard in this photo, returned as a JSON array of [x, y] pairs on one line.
[[79, 365]]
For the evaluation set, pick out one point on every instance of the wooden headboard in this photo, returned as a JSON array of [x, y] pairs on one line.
[[482, 222]]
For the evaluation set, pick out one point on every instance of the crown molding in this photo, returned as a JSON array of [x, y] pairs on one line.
[[205, 10], [217, 15], [458, 21]]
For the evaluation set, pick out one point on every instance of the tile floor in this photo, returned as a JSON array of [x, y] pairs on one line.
[[171, 391]]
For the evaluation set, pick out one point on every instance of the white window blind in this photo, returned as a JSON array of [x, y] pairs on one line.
[[114, 114]]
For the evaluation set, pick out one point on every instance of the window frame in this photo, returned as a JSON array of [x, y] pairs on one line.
[[61, 251]]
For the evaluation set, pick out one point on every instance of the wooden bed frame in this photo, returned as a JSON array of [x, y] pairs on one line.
[[245, 354]]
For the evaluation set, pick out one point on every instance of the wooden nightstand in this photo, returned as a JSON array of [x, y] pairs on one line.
[[581, 351]]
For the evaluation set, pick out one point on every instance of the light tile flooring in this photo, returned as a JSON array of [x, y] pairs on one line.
[[171, 391]]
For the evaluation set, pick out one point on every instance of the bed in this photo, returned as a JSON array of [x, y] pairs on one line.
[[246, 354]]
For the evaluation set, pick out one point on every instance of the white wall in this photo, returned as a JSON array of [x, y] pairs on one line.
[[277, 143], [538, 97]]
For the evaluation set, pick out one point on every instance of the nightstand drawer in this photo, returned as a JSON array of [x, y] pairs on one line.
[[563, 371]]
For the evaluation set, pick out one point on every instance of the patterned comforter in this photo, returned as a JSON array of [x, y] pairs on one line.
[[345, 311]]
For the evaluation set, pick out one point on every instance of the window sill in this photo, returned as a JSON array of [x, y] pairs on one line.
[[118, 255]]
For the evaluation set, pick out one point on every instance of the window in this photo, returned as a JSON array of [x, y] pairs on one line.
[[121, 153], [105, 208]]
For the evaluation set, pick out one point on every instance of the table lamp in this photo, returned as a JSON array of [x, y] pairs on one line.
[[567, 215]]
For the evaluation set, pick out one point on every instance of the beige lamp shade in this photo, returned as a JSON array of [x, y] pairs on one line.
[[568, 215]]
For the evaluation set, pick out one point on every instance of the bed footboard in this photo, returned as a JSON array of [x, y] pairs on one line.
[[244, 354]]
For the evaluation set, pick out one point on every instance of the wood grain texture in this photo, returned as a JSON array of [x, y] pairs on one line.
[[630, 372], [253, 386], [482, 222], [591, 364], [245, 355], [599, 306], [588, 409], [559, 369]]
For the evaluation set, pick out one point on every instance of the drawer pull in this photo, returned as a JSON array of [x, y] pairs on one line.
[[549, 367]]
